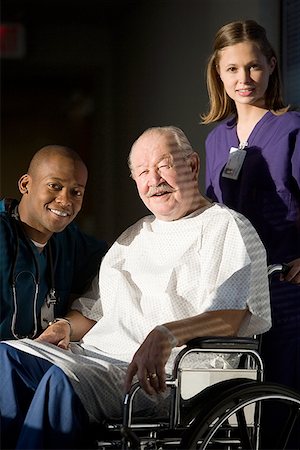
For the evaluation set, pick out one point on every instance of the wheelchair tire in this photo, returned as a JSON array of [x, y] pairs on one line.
[[211, 428]]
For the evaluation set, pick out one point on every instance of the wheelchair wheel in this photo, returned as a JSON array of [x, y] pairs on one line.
[[234, 418]]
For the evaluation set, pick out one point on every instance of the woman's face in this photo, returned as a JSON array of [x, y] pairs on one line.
[[245, 73]]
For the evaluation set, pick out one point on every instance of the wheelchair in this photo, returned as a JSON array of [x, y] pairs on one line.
[[215, 408]]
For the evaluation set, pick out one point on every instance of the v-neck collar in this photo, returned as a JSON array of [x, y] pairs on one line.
[[231, 125]]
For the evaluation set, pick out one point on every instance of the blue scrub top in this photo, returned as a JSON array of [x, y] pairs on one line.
[[76, 260]]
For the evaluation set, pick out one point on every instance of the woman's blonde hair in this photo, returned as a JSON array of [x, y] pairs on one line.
[[221, 105]]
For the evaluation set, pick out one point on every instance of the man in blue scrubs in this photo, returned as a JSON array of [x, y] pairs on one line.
[[46, 261]]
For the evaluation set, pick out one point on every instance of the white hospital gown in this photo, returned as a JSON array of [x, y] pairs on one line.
[[158, 272]]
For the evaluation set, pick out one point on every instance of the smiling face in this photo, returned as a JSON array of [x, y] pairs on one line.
[[52, 195], [166, 179], [245, 73]]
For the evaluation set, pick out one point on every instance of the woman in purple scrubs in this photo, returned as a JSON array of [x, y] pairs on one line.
[[253, 166]]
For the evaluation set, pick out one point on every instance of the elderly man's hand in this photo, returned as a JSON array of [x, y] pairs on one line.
[[58, 334], [149, 362]]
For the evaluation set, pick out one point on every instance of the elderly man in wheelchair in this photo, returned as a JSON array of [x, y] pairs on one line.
[[191, 270]]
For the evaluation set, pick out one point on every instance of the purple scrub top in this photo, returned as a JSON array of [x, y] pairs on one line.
[[267, 190]]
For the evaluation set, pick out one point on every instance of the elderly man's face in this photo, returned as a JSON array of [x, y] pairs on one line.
[[165, 179]]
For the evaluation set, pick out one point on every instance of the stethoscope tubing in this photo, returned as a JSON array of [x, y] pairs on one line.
[[36, 278], [14, 317]]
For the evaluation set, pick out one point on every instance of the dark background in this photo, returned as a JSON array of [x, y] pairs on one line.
[[94, 74]]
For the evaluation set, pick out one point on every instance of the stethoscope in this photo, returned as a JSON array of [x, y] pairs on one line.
[[51, 298]]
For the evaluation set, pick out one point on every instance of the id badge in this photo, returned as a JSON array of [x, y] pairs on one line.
[[234, 163]]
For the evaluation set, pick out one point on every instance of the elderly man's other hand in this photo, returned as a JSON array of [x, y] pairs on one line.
[[149, 362], [58, 333]]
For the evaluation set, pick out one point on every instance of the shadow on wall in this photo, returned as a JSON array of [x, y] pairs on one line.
[[95, 76]]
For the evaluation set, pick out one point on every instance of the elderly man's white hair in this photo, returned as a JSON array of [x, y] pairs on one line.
[[180, 138]]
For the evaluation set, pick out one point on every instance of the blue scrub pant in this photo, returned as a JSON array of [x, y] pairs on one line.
[[39, 407]]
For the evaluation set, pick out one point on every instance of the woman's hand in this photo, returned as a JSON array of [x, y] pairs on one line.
[[293, 275]]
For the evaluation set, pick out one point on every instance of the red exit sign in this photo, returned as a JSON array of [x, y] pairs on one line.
[[12, 40]]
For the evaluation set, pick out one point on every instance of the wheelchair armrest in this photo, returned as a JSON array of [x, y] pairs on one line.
[[221, 342]]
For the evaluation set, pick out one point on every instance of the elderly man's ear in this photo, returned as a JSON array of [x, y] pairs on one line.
[[23, 183], [195, 164]]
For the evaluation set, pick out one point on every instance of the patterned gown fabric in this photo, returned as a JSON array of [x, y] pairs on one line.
[[158, 272]]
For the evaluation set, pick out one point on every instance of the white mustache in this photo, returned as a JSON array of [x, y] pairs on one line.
[[163, 188]]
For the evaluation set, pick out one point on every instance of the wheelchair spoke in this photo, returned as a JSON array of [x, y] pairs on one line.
[[211, 430], [243, 429]]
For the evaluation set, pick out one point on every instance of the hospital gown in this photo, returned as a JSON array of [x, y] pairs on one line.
[[157, 272]]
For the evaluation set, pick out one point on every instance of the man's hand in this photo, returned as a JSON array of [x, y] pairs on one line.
[[149, 362], [293, 275], [58, 334], [150, 359]]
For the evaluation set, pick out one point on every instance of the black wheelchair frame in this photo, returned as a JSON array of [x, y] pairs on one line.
[[225, 414]]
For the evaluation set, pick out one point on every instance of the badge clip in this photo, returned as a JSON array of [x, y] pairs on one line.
[[234, 163]]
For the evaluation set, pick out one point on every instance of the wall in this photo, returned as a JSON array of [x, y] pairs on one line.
[[95, 76], [162, 51]]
